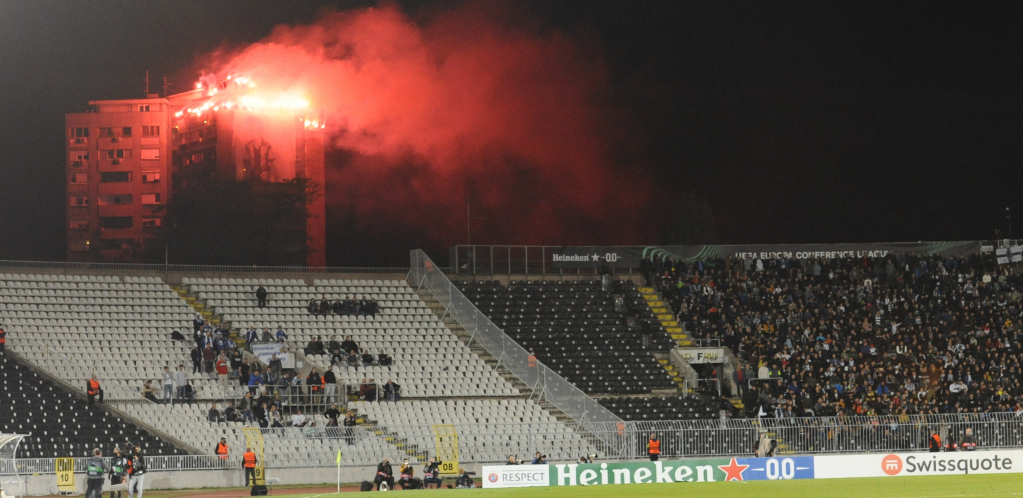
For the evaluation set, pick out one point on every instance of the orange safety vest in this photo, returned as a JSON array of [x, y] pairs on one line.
[[655, 447], [93, 387], [249, 460], [3, 336], [222, 451]]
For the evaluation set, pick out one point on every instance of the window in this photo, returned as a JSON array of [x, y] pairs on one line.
[[126, 131], [106, 132], [79, 224], [150, 177], [115, 177], [118, 154], [150, 199], [150, 131], [150, 153], [143, 107], [79, 200], [80, 132], [115, 200], [116, 222], [150, 222], [79, 178]]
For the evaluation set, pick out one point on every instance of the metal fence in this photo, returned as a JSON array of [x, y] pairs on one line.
[[512, 260], [491, 443], [510, 355]]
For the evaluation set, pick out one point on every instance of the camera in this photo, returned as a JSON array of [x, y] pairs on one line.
[[470, 473]]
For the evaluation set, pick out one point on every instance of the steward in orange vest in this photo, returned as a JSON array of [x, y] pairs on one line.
[[249, 462], [92, 389], [653, 448], [222, 448], [3, 339]]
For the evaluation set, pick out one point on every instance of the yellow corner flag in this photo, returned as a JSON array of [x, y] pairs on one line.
[[339, 457]]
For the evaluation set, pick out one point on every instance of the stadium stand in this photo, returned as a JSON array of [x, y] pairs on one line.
[[60, 423], [900, 334], [574, 327], [429, 360], [661, 408]]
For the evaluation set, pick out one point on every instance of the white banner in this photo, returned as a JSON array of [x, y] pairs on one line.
[[265, 351], [918, 464], [515, 476], [695, 356]]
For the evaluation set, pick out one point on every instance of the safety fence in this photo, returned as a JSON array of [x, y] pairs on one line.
[[553, 388], [483, 442]]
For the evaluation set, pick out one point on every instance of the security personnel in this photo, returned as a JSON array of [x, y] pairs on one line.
[[3, 339], [314, 382], [431, 473], [221, 450], [653, 447], [384, 474], [93, 389], [118, 469], [95, 469], [934, 442], [249, 463]]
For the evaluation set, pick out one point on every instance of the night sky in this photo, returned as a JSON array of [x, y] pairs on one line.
[[797, 122]]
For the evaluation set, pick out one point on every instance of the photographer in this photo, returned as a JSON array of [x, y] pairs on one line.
[[765, 446], [465, 481], [431, 473], [408, 479], [539, 459], [511, 460], [118, 472], [969, 442], [384, 474]]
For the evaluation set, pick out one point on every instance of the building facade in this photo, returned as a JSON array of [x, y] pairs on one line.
[[128, 158]]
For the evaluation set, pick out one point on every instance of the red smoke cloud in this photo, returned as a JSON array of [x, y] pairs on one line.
[[425, 112]]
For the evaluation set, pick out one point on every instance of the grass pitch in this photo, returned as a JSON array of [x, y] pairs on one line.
[[1007, 485]]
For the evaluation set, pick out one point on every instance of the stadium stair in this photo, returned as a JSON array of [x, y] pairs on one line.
[[413, 451], [466, 338], [200, 307], [663, 313]]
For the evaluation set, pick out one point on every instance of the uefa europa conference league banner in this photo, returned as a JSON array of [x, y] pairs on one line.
[[630, 256], [753, 469]]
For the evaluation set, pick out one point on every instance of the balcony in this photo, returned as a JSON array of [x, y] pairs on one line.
[[78, 142], [115, 143]]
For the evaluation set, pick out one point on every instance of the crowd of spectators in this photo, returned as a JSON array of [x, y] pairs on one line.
[[347, 306], [900, 334]]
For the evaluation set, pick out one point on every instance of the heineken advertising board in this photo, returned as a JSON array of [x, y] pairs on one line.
[[603, 473], [755, 469]]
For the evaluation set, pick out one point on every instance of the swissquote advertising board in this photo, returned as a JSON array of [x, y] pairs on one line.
[[754, 469]]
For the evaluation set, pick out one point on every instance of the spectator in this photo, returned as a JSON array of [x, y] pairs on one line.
[[261, 296], [367, 390], [329, 384], [367, 358], [314, 382], [324, 306], [333, 345], [274, 417], [196, 360], [197, 323], [267, 336], [236, 362], [214, 415], [383, 360], [168, 385], [180, 381], [338, 358], [348, 346], [332, 414], [280, 335], [149, 392], [231, 413], [208, 357], [244, 371], [312, 307], [349, 431], [222, 370], [246, 408], [251, 336], [274, 365], [310, 347], [392, 391], [298, 420]]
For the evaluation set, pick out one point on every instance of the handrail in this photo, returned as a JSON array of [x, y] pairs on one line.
[[186, 268]]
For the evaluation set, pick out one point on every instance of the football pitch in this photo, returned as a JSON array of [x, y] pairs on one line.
[[882, 487]]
